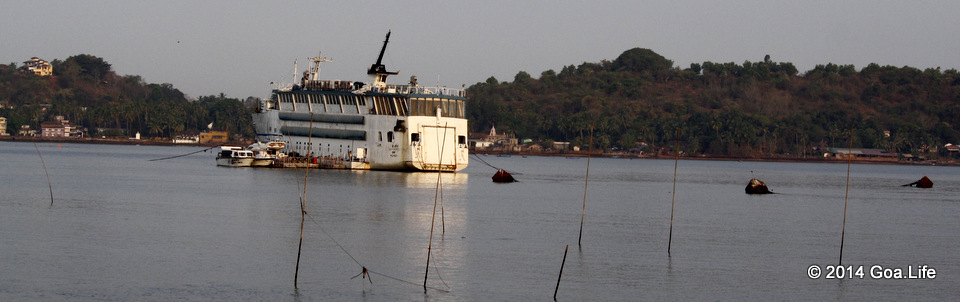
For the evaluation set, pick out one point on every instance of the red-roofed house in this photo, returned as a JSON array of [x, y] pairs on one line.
[[58, 128]]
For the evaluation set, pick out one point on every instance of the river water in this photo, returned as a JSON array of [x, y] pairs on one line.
[[123, 228]]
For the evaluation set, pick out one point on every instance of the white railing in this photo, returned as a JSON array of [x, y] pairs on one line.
[[407, 89], [391, 88]]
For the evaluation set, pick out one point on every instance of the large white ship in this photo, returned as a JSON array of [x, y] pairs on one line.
[[371, 125]]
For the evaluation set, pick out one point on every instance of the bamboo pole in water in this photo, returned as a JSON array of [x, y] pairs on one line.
[[439, 192], [429, 246], [673, 203], [49, 185], [435, 198], [303, 202], [296, 273], [583, 212], [561, 272], [843, 230]]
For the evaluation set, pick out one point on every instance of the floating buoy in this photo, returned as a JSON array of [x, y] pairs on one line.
[[503, 176], [924, 182], [757, 187]]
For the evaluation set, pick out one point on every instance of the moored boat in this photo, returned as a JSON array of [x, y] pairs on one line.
[[234, 156], [757, 187], [266, 154], [502, 176]]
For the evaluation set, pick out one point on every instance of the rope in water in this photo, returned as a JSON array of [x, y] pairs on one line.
[[182, 155], [492, 166], [366, 270]]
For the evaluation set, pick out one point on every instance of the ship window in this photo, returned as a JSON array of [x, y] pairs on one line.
[[389, 136], [379, 136], [433, 106], [415, 137], [416, 106], [404, 107], [462, 139]]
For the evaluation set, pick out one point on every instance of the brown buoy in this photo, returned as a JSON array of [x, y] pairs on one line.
[[924, 182], [503, 176], [757, 187]]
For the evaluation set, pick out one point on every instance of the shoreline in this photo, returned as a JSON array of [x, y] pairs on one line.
[[109, 141], [776, 158], [570, 154]]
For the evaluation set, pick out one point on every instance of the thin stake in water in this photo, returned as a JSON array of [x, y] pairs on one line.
[[586, 181], [673, 203], [49, 185], [843, 230], [561, 272], [435, 199], [439, 192], [303, 203]]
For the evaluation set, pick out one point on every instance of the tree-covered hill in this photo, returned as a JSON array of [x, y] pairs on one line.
[[752, 109], [85, 90], [762, 108]]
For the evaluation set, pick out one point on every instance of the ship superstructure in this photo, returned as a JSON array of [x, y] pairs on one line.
[[372, 125]]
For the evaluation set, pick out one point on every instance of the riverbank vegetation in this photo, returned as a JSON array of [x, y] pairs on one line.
[[87, 92], [754, 109], [640, 101]]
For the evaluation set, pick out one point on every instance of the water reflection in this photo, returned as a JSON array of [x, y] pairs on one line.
[[124, 228]]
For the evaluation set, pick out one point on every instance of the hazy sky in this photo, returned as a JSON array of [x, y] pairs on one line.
[[239, 47]]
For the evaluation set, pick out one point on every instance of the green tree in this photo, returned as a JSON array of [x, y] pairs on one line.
[[641, 60]]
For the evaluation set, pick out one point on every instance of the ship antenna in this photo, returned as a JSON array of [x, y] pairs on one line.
[[378, 68], [315, 73]]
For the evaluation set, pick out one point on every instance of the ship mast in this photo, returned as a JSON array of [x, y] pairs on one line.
[[315, 72], [378, 70]]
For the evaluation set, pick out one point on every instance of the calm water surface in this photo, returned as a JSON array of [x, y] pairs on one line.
[[122, 228]]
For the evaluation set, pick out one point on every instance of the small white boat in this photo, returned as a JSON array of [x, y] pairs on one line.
[[265, 154], [233, 156]]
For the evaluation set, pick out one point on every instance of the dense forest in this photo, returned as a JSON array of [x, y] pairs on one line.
[[85, 90], [639, 101], [766, 108]]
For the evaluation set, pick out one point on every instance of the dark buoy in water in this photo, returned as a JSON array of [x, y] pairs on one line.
[[503, 176], [924, 182], [757, 187]]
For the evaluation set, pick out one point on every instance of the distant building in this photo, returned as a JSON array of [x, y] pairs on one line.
[[213, 137], [503, 142], [186, 139], [952, 149], [58, 128], [535, 148], [855, 152], [38, 66], [26, 131], [481, 144], [3, 127]]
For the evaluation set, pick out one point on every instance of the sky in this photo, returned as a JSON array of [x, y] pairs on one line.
[[239, 47]]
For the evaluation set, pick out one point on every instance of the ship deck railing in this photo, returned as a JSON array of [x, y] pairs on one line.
[[438, 90], [393, 88]]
